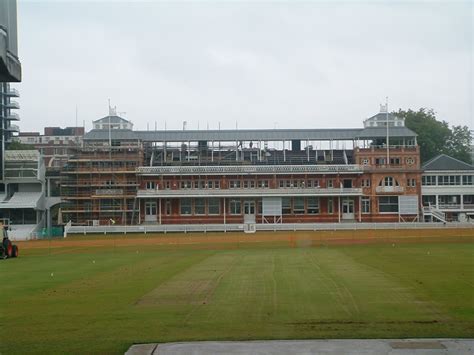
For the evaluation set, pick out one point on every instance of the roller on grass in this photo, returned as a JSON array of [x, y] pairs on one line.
[[7, 248]]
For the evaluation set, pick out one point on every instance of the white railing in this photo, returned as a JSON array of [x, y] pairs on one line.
[[457, 206], [67, 227], [454, 206], [433, 211], [13, 116], [247, 169], [13, 104], [109, 192], [389, 189], [34, 233], [191, 228], [13, 92], [249, 192]]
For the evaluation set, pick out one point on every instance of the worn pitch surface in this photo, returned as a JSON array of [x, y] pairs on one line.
[[101, 295]]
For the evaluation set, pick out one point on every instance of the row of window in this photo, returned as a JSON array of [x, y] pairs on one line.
[[384, 160], [237, 184], [290, 205], [287, 183], [300, 205], [295, 205], [448, 199], [447, 180], [389, 181]]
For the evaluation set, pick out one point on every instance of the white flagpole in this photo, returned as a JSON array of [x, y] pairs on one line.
[[388, 139]]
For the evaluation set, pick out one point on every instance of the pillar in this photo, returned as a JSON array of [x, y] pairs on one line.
[[159, 211], [307, 150], [164, 151], [360, 208], [339, 208], [224, 212]]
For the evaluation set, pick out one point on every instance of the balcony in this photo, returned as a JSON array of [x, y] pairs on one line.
[[456, 207], [389, 189], [257, 192], [13, 128], [12, 105], [12, 116], [12, 92], [252, 169], [108, 192]]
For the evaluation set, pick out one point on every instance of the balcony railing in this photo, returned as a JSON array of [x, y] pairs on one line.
[[12, 116], [12, 92], [13, 105], [456, 206], [250, 192], [257, 169], [13, 128], [22, 173], [389, 189], [88, 184], [393, 148], [109, 192]]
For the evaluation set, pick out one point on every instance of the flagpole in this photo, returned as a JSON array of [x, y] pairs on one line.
[[388, 138], [110, 132]]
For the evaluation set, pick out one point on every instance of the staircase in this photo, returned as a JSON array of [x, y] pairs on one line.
[[434, 212]]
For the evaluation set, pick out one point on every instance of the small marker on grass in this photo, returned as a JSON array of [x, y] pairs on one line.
[[52, 274]]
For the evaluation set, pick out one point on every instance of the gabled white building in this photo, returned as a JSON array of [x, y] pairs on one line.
[[382, 118], [113, 121], [448, 189]]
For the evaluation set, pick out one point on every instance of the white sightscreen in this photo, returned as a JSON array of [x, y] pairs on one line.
[[408, 204], [271, 206]]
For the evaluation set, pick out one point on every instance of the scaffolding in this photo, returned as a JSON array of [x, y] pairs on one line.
[[99, 184]]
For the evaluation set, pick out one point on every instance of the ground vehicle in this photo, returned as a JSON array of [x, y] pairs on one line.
[[7, 248]]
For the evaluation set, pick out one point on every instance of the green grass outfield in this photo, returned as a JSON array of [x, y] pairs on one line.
[[101, 299]]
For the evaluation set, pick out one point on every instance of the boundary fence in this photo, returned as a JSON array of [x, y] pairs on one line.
[[204, 228]]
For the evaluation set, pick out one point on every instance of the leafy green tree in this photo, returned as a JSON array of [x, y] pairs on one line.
[[459, 144], [435, 137]]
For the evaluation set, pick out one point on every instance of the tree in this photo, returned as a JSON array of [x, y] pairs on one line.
[[435, 137], [459, 144]]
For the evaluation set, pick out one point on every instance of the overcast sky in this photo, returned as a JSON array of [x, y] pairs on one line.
[[267, 64]]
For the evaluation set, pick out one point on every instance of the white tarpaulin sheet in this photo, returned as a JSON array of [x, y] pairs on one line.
[[408, 204], [271, 206]]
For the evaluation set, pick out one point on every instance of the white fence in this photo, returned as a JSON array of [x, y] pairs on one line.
[[204, 228]]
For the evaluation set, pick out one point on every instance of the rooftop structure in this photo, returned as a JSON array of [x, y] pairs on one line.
[[113, 121], [383, 118]]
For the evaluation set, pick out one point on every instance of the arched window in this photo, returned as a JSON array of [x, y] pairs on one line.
[[388, 181]]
